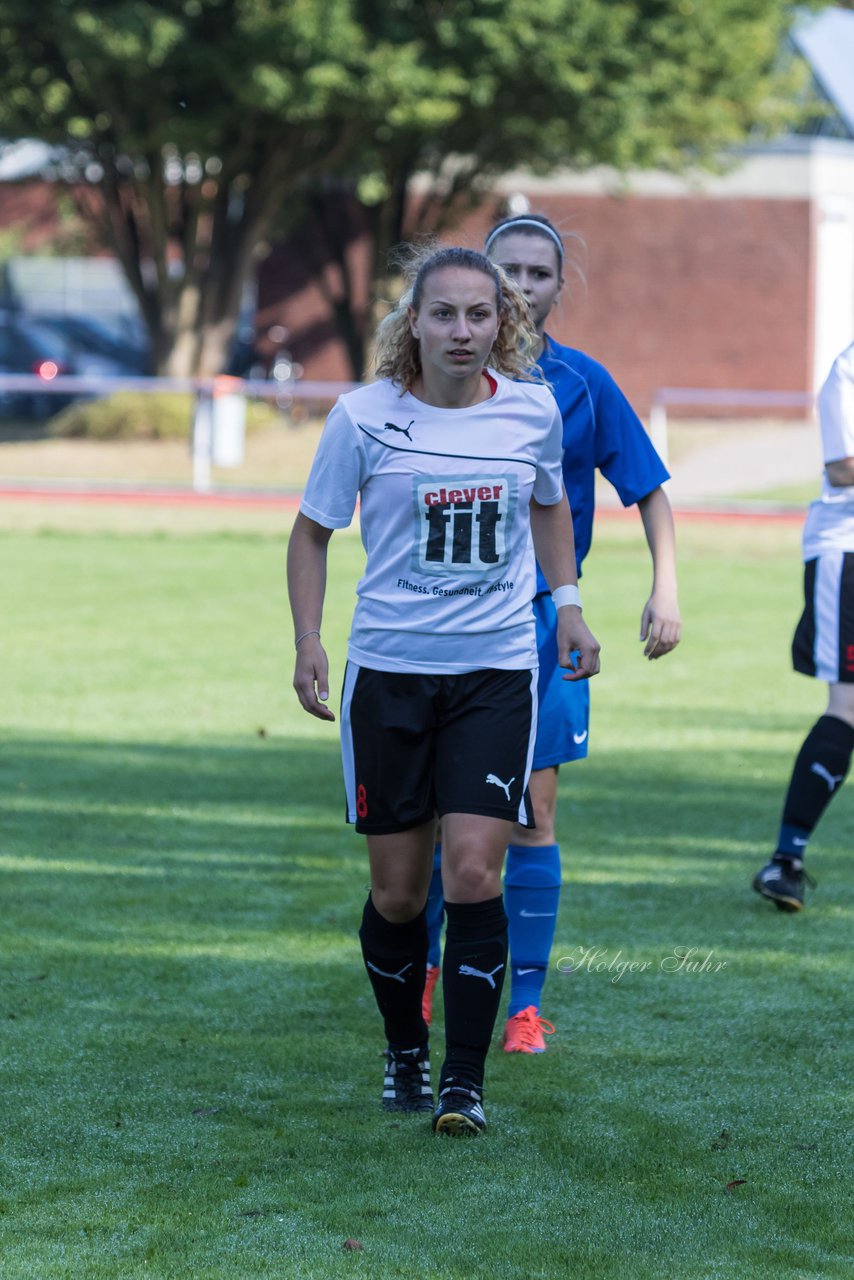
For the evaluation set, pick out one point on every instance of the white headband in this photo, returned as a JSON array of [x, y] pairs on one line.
[[506, 227]]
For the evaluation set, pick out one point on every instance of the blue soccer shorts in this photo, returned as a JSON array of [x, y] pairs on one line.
[[563, 725]]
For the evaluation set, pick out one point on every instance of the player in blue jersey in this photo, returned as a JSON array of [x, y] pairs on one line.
[[601, 432]]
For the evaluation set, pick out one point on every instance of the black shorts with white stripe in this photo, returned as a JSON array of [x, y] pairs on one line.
[[823, 644], [418, 746]]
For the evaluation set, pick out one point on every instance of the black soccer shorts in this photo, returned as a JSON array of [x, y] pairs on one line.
[[419, 746], [823, 644]]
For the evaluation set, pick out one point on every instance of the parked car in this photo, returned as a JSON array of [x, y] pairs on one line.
[[102, 347], [26, 346]]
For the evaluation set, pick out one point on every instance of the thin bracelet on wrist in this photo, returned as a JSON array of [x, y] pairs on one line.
[[315, 631], [566, 595]]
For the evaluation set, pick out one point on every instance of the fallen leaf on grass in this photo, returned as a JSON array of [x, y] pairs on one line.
[[805, 1146], [353, 1246], [736, 1182], [721, 1143], [262, 732], [207, 1111]]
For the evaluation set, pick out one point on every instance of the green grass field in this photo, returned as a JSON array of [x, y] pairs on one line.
[[189, 1054]]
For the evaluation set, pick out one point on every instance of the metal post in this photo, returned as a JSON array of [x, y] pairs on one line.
[[203, 440], [658, 429]]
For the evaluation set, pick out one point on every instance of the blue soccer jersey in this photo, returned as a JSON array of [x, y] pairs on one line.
[[601, 431]]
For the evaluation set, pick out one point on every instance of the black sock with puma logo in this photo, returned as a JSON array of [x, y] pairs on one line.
[[819, 771], [395, 957], [472, 977]]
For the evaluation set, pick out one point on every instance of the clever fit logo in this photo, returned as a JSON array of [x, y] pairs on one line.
[[463, 524]]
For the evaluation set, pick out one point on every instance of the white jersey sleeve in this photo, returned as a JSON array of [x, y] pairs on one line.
[[836, 408], [829, 526], [337, 473], [548, 485]]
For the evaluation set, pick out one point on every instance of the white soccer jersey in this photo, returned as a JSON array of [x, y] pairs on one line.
[[830, 521], [445, 497]]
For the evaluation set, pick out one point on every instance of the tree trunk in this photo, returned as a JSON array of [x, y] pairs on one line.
[[187, 250], [186, 257]]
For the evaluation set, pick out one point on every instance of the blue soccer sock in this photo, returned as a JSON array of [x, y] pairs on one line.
[[532, 880], [435, 911]]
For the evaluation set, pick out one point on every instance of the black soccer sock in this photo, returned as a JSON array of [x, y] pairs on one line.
[[819, 771], [472, 976], [395, 957]]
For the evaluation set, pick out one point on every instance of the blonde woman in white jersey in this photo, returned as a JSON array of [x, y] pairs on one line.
[[457, 467], [823, 645]]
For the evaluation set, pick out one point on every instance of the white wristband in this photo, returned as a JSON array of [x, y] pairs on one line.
[[566, 595]]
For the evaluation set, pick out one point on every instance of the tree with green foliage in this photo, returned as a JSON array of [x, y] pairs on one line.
[[185, 128], [501, 84], [191, 129]]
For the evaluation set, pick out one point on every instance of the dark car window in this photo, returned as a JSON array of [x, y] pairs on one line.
[[88, 335]]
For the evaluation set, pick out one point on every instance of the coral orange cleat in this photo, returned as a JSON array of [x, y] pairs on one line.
[[433, 971], [524, 1032]]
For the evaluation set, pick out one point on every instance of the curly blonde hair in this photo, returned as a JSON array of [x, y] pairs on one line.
[[397, 354]]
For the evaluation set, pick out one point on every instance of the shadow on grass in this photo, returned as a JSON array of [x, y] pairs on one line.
[[174, 904], [244, 833], [267, 812], [262, 771], [184, 845]]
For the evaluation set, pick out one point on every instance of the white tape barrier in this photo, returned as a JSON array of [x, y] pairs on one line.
[[708, 398]]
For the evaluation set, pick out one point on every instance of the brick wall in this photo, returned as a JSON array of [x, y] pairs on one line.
[[684, 291], [691, 292]]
